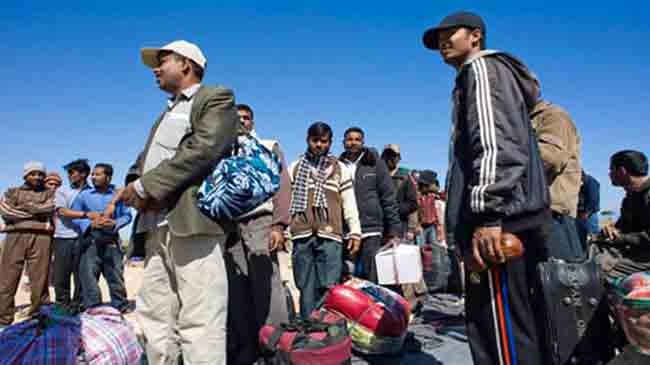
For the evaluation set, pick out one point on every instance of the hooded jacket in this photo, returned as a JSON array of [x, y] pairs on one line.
[[496, 176], [375, 193]]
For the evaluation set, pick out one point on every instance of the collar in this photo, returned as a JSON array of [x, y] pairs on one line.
[[110, 190], [476, 56], [185, 94], [350, 162]]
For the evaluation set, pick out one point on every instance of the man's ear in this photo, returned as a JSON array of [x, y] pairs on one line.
[[476, 36]]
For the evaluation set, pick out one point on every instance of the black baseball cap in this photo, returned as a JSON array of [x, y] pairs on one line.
[[459, 19]]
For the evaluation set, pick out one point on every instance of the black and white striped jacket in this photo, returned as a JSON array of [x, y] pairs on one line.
[[496, 176]]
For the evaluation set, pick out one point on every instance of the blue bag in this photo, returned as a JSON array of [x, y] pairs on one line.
[[240, 183]]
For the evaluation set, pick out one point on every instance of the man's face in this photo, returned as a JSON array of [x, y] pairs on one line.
[[35, 179], [169, 73], [52, 185], [617, 175], [76, 178], [353, 142], [245, 119], [392, 163], [457, 44], [319, 146], [99, 178]]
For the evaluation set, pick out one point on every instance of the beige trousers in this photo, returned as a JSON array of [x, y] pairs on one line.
[[182, 304]]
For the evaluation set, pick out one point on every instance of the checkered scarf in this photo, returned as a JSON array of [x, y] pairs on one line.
[[301, 183]]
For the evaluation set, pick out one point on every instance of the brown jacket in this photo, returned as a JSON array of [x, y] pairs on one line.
[[559, 144], [175, 182], [25, 209], [341, 206]]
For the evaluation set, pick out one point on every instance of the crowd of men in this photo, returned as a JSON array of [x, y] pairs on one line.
[[208, 286]]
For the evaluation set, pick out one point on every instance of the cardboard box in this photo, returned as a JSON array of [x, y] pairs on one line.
[[407, 261]]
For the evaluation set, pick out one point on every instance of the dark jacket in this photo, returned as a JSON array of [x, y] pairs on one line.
[[630, 252], [496, 175], [589, 196], [634, 222], [375, 193]]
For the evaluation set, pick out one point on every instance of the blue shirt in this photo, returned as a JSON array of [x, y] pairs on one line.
[[64, 227], [92, 200]]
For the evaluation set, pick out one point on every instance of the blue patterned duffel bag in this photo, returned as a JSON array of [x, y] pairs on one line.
[[241, 182]]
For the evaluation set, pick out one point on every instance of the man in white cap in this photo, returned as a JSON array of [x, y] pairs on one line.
[[183, 300], [27, 211]]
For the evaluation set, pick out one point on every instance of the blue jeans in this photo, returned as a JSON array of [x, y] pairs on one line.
[[106, 259], [428, 235], [317, 265]]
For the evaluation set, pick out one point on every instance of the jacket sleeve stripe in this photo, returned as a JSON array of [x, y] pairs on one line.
[[487, 173]]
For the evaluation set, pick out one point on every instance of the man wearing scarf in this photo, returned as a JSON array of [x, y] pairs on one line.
[[322, 199]]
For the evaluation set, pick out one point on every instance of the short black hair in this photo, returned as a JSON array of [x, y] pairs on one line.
[[108, 168], [247, 108], [389, 154], [79, 165], [354, 130], [320, 129], [635, 162]]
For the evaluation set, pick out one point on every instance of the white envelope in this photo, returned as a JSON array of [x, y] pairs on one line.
[[407, 261]]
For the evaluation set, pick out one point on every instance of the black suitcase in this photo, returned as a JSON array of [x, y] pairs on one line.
[[576, 325]]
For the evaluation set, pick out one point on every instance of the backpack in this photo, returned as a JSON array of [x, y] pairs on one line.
[[241, 182], [306, 342]]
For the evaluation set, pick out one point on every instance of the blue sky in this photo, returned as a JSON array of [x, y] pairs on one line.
[[74, 86]]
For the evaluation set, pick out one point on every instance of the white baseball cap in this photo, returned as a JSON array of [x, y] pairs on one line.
[[181, 47]]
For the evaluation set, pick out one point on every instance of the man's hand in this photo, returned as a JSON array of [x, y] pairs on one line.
[[276, 241], [486, 246], [93, 215], [640, 329], [354, 244], [410, 236], [131, 198], [610, 232]]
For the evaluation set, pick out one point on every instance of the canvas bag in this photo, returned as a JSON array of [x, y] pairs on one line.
[[241, 182]]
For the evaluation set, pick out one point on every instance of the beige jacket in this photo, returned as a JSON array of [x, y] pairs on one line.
[[559, 144]]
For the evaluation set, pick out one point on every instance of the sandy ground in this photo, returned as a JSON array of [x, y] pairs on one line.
[[133, 278]]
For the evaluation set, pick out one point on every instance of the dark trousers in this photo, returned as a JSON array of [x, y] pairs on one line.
[[564, 242], [66, 266], [504, 318], [369, 248], [22, 248], [317, 265], [255, 293], [106, 259]]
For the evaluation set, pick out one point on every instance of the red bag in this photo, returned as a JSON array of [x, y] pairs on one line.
[[378, 309], [307, 342]]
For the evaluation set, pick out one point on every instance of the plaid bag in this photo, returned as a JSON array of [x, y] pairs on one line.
[[107, 338], [51, 338]]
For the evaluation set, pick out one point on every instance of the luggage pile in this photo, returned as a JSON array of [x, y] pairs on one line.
[[99, 336], [355, 315], [377, 318]]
